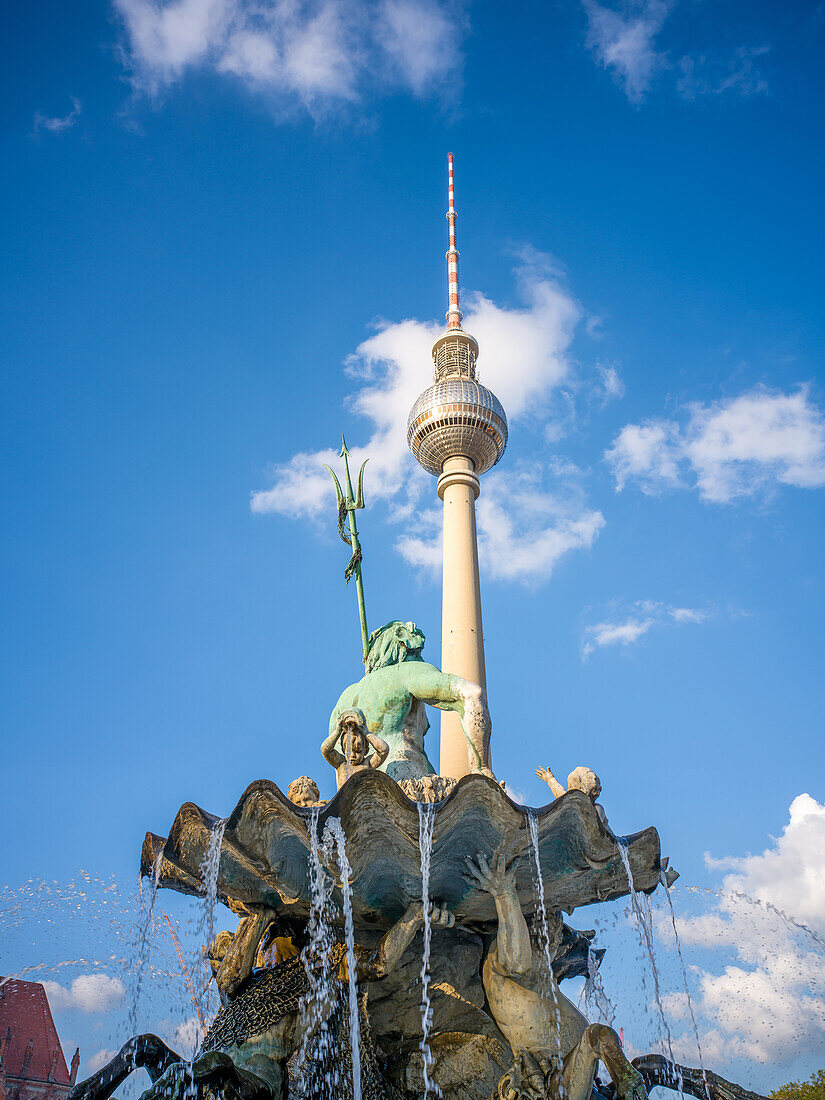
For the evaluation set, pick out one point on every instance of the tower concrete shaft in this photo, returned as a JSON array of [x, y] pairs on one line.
[[462, 634]]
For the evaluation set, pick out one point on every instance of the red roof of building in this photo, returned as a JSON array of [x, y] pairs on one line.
[[25, 1012]]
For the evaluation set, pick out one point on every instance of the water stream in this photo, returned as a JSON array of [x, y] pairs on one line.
[[147, 897], [640, 905], [594, 996], [663, 881], [337, 831], [210, 867], [209, 870], [544, 935], [318, 1002], [426, 821]]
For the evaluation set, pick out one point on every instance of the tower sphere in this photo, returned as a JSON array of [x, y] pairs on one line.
[[457, 416]]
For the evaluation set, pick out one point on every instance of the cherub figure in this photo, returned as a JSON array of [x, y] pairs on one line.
[[556, 1050], [580, 779], [303, 791], [356, 740]]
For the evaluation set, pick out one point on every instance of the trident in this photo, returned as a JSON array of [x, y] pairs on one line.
[[347, 506]]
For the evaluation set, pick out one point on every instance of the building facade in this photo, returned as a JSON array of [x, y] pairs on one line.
[[32, 1063]]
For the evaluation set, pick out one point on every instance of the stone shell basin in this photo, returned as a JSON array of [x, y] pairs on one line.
[[266, 843]]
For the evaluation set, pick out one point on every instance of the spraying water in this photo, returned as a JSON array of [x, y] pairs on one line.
[[594, 995], [640, 904], [426, 821], [148, 897], [210, 867], [544, 934], [663, 881], [209, 870], [336, 829], [318, 1003]]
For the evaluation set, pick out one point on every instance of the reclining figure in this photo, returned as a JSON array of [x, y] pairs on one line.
[[557, 1052]]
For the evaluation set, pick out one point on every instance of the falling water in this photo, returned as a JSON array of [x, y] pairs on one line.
[[337, 830], [319, 1001], [594, 993], [210, 866], [663, 881], [209, 871], [640, 904], [544, 932], [426, 821], [148, 897]]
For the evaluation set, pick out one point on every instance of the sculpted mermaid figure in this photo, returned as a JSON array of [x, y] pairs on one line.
[[556, 1056]]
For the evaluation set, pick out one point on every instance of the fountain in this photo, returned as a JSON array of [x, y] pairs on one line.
[[407, 938], [394, 945]]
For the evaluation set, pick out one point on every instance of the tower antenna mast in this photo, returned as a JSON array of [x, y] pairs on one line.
[[454, 317]]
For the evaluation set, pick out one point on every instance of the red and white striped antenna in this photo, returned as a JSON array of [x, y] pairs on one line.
[[453, 312]]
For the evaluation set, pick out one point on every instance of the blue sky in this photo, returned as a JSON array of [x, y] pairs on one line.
[[225, 235]]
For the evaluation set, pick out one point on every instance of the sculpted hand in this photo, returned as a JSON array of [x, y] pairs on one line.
[[497, 880], [545, 774], [440, 917], [524, 1080]]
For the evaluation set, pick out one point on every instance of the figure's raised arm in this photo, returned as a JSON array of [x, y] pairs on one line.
[[515, 953], [328, 749], [394, 943], [381, 750], [551, 781], [447, 692]]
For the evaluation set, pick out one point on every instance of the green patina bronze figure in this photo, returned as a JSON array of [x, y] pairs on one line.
[[392, 695], [398, 681]]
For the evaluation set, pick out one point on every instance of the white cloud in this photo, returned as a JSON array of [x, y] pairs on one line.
[[528, 520], [646, 452], [739, 73], [790, 875], [771, 913], [420, 41], [98, 1060], [188, 1036], [627, 628], [625, 633], [318, 53], [624, 41], [729, 449], [60, 123], [687, 615], [612, 385], [88, 993]]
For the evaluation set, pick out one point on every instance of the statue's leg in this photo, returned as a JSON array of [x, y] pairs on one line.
[[142, 1052], [627, 1080], [575, 1079], [598, 1043]]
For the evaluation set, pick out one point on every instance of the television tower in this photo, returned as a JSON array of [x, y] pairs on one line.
[[457, 430]]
